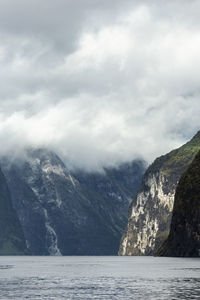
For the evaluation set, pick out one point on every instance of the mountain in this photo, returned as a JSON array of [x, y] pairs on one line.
[[12, 241], [184, 236], [70, 213], [150, 213]]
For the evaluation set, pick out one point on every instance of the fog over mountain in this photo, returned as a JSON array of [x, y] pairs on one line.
[[101, 82]]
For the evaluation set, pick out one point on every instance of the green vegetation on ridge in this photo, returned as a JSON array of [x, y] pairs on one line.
[[177, 160], [184, 237]]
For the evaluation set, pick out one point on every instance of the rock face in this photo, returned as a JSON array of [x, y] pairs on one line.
[[65, 213], [184, 236], [12, 241], [150, 213]]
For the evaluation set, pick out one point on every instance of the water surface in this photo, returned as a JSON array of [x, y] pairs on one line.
[[99, 278]]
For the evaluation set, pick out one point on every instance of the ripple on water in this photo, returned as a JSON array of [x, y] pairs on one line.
[[6, 267], [48, 278]]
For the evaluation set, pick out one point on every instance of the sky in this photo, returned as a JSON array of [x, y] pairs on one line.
[[100, 82]]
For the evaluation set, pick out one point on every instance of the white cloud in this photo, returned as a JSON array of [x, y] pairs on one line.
[[99, 84]]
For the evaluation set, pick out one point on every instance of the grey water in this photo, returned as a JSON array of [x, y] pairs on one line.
[[95, 277]]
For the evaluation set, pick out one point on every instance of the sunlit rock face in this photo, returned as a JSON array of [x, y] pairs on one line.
[[184, 236], [70, 213], [150, 212]]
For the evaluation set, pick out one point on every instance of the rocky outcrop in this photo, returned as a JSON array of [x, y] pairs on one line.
[[150, 213], [70, 213], [184, 236], [12, 241]]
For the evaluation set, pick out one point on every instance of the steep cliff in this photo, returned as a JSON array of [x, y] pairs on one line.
[[65, 213], [150, 213], [12, 240], [184, 236]]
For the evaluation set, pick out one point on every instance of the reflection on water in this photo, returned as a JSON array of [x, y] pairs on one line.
[[99, 278]]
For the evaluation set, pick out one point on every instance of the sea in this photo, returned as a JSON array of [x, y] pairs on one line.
[[99, 277]]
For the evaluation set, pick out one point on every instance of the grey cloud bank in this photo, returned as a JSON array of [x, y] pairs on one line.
[[100, 82]]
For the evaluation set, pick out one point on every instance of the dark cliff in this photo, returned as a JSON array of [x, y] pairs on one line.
[[12, 240], [184, 237]]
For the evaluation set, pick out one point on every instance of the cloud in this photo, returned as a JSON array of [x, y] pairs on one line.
[[99, 82]]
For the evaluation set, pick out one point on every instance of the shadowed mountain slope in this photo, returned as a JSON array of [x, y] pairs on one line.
[[70, 213], [12, 240], [184, 237]]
